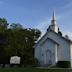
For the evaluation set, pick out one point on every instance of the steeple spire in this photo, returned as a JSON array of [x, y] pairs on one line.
[[53, 26], [53, 21], [54, 18]]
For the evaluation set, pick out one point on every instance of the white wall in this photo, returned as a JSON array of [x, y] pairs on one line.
[[71, 54], [41, 52], [63, 48], [48, 45]]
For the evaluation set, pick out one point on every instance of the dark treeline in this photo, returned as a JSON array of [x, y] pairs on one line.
[[17, 41]]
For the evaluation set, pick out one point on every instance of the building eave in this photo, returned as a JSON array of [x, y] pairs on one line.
[[54, 33]]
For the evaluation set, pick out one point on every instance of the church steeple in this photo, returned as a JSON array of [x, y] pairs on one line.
[[53, 26], [53, 21]]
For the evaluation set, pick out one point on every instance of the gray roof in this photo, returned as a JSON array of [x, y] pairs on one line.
[[56, 34]]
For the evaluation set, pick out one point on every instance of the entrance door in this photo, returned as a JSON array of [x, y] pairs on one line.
[[48, 57]]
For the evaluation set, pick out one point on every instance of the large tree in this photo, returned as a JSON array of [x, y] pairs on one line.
[[21, 42], [17, 40]]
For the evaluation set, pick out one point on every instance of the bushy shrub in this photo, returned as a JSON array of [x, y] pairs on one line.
[[63, 64], [35, 62], [32, 63]]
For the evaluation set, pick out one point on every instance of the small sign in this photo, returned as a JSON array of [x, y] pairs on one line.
[[15, 60]]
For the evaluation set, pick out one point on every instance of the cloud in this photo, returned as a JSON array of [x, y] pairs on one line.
[[64, 20], [42, 26], [68, 33]]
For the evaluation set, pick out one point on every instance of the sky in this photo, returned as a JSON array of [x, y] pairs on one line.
[[38, 13]]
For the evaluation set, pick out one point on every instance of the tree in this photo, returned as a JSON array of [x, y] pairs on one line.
[[17, 40], [3, 44], [3, 24], [21, 42], [16, 26]]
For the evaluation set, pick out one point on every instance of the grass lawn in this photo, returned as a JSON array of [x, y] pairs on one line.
[[33, 70]]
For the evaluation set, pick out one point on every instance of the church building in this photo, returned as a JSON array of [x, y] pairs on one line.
[[53, 46]]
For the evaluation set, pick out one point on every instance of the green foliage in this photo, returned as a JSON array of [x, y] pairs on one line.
[[15, 26], [3, 24], [63, 64], [16, 40]]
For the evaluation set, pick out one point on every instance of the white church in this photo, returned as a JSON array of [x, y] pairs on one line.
[[53, 46]]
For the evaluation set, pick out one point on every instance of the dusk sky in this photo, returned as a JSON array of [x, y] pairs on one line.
[[38, 13]]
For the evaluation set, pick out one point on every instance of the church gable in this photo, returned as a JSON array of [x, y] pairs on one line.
[[47, 48], [47, 41], [55, 37]]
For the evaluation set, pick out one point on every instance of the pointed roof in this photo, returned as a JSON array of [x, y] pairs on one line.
[[68, 40], [53, 21]]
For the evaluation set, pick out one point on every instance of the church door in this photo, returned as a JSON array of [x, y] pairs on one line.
[[48, 58]]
